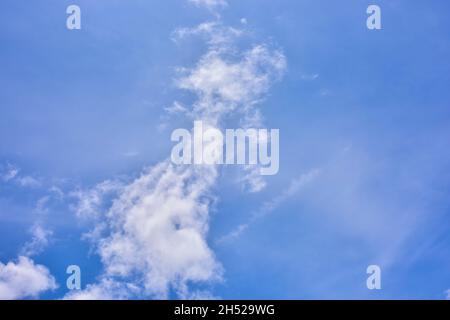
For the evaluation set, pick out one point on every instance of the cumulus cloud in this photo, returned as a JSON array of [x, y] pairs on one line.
[[152, 239], [224, 85], [24, 279], [159, 225], [106, 289], [153, 236]]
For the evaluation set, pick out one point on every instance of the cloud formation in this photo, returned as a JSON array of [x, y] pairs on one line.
[[11, 174], [39, 240], [152, 240], [89, 202], [210, 4], [24, 279], [267, 207], [156, 232], [227, 85], [8, 172]]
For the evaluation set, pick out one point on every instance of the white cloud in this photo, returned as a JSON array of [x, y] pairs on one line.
[[9, 173], [210, 4], [447, 293], [106, 289], [89, 202], [176, 108], [224, 84], [228, 80], [40, 234], [295, 186], [156, 233], [24, 279], [29, 182], [57, 192], [215, 34], [153, 237], [39, 240], [252, 180]]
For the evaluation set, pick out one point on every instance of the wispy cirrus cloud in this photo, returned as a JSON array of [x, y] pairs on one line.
[[105, 289], [8, 172], [214, 33], [40, 238], [88, 203], [156, 231], [269, 206], [11, 174], [210, 4]]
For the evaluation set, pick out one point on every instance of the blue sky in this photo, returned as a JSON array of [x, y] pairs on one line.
[[364, 119]]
